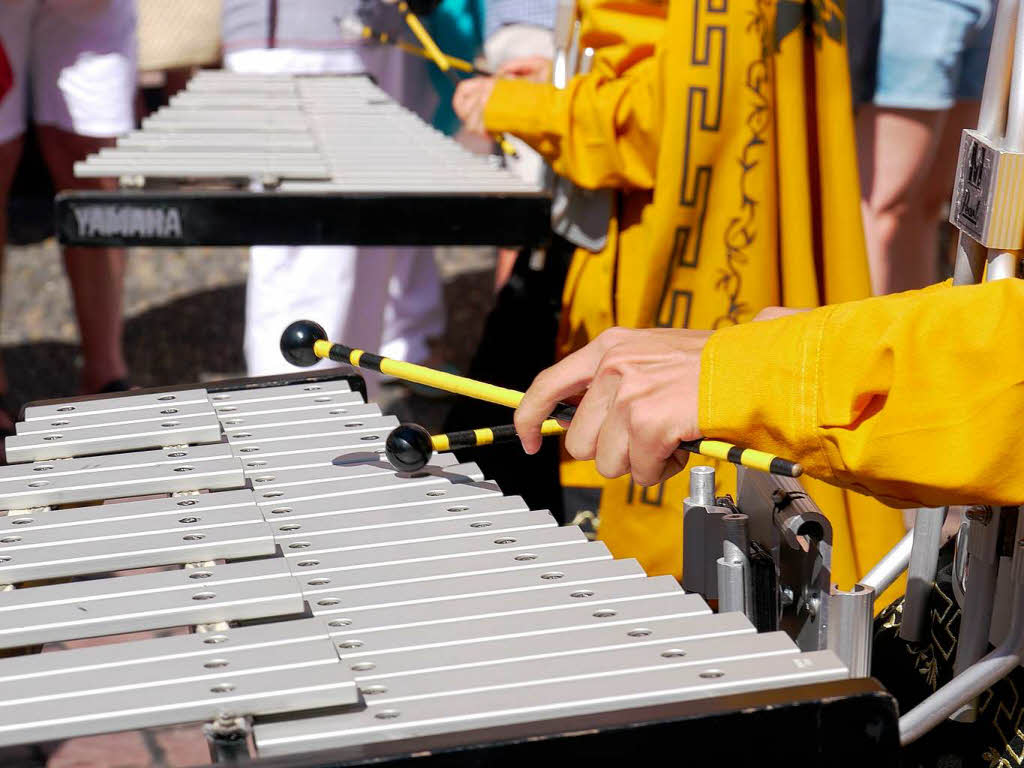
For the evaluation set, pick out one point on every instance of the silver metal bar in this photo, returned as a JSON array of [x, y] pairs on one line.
[[254, 400], [889, 568], [623, 606], [76, 488], [136, 415], [851, 620], [76, 550], [543, 572], [368, 492], [518, 595], [374, 461], [247, 590], [80, 520], [12, 474], [368, 474], [155, 682], [407, 499], [430, 576], [328, 538], [364, 426], [924, 558], [299, 415], [119, 404], [538, 701], [112, 438], [583, 640]]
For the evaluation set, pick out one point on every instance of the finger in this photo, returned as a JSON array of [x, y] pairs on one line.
[[611, 458], [581, 441], [676, 463], [565, 378]]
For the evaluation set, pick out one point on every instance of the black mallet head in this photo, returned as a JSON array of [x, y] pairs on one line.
[[409, 447], [297, 342]]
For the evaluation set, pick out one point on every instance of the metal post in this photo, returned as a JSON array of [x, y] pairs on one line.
[[228, 739], [734, 565], [702, 486], [889, 568], [851, 619], [924, 559]]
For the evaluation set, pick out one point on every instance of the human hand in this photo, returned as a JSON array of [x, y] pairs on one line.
[[470, 100], [537, 69], [640, 402]]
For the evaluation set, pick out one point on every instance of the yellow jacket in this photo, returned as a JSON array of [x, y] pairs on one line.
[[740, 120], [916, 398]]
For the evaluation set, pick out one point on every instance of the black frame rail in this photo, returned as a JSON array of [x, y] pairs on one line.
[[240, 218]]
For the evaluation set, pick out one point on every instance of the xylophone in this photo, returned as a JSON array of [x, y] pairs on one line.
[[340, 612], [240, 159]]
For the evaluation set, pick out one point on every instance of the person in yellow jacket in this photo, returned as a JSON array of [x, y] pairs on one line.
[[880, 396], [739, 127]]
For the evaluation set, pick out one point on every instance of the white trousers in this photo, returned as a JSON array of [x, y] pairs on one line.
[[384, 300]]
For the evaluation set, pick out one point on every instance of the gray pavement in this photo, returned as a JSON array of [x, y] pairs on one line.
[[184, 312]]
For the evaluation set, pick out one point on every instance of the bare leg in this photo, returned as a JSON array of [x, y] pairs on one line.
[[96, 274], [10, 152]]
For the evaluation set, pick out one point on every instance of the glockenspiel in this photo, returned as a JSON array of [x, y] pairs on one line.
[[341, 612], [238, 159]]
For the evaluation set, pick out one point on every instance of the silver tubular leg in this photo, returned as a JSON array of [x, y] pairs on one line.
[[983, 554], [889, 568], [968, 685], [734, 566], [924, 559], [851, 617]]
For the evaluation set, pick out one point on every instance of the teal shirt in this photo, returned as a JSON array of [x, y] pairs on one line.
[[457, 27]]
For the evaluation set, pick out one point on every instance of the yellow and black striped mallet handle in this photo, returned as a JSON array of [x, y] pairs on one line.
[[409, 446], [304, 342]]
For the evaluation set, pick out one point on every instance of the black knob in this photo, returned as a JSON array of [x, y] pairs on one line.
[[297, 342], [409, 447]]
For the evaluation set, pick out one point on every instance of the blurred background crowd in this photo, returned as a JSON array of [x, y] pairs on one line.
[[83, 72]]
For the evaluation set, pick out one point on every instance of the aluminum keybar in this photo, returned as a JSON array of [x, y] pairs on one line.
[[235, 422], [95, 659], [295, 403], [542, 701], [112, 462], [112, 438], [715, 642], [117, 404], [516, 594], [285, 688], [628, 610], [131, 513], [429, 487], [511, 533], [110, 547], [333, 536], [72, 680], [136, 415], [246, 590], [380, 425], [270, 396], [376, 474], [139, 481], [578, 640], [484, 509], [348, 442], [537, 574], [356, 453], [442, 559]]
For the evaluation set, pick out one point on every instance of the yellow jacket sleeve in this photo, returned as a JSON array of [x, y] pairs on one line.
[[916, 398], [602, 130]]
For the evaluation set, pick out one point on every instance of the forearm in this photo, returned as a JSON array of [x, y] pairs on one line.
[[598, 131], [915, 398]]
